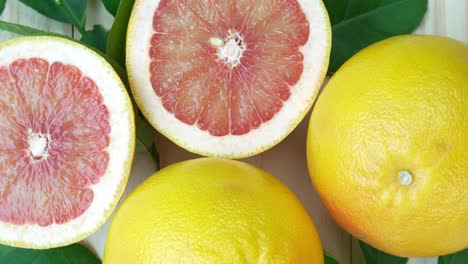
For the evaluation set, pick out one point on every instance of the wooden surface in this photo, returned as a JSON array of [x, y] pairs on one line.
[[287, 160]]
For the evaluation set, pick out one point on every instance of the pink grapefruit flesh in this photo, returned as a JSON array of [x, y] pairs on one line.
[[52, 119], [220, 94], [227, 78], [67, 139]]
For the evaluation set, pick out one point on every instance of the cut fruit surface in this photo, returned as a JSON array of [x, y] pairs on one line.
[[227, 78], [64, 113]]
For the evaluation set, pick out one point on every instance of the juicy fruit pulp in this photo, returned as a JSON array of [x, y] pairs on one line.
[[227, 78], [52, 119], [226, 66], [67, 139], [387, 146], [212, 211]]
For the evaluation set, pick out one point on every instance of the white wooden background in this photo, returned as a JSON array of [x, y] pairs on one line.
[[287, 160]]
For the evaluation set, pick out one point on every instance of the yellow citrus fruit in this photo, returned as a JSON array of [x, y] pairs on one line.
[[387, 145], [212, 211]]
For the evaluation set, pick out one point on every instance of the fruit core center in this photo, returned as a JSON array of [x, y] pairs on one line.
[[405, 178], [38, 145], [231, 48]]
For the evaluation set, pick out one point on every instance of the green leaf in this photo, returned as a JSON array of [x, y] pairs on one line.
[[72, 12], [66, 11], [117, 34], [2, 6], [375, 256], [73, 254], [97, 37], [342, 10], [112, 6], [357, 24], [26, 31], [460, 257], [329, 259], [335, 9], [4, 250], [145, 138]]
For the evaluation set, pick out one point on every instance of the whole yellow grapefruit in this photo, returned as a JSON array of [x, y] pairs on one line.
[[212, 211], [387, 145]]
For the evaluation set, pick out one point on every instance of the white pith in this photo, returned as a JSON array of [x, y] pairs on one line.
[[316, 54], [109, 189], [38, 144], [231, 49]]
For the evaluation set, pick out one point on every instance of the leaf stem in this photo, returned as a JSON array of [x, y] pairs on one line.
[[79, 25]]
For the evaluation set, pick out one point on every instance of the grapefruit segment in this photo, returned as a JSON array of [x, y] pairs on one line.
[[214, 114], [212, 74], [63, 114], [29, 77]]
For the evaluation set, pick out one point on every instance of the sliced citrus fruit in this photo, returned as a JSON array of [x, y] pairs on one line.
[[227, 78], [67, 141], [212, 211]]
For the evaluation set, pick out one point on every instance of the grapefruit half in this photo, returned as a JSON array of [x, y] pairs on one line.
[[67, 140], [227, 78]]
